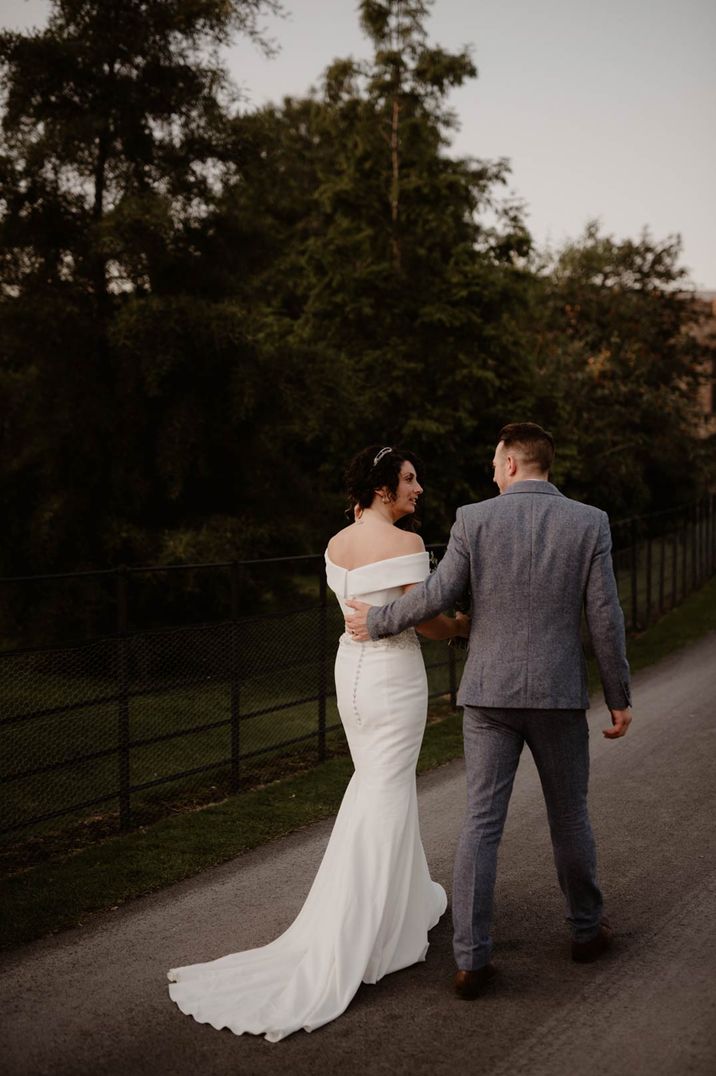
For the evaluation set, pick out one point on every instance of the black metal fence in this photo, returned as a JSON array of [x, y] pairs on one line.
[[161, 686], [128, 724], [659, 559]]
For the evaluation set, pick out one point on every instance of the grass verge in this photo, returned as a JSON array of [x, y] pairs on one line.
[[60, 894]]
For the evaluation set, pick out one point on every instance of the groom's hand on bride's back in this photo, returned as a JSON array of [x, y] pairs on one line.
[[357, 624], [621, 720]]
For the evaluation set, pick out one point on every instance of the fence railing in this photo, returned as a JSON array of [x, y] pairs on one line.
[[132, 722], [122, 725], [659, 559]]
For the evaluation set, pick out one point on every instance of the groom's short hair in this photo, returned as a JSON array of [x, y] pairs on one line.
[[535, 445]]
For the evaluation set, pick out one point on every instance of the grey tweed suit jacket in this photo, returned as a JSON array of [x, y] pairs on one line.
[[533, 560]]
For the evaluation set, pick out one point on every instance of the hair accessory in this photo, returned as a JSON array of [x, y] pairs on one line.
[[379, 457]]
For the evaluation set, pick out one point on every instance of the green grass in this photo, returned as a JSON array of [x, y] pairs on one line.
[[63, 893], [683, 625], [56, 895]]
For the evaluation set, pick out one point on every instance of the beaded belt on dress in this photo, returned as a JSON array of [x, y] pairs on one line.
[[405, 640]]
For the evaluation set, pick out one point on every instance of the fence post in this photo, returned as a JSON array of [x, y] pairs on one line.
[[235, 775], [125, 814], [648, 580], [684, 555], [634, 576], [706, 533], [322, 660], [695, 548]]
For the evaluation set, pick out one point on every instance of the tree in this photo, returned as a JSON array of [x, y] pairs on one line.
[[390, 300], [116, 142], [618, 367]]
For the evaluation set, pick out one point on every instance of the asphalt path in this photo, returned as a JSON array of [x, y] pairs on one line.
[[94, 1000]]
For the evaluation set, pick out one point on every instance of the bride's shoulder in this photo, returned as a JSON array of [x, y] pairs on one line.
[[335, 539], [339, 540], [397, 543], [354, 547], [411, 542]]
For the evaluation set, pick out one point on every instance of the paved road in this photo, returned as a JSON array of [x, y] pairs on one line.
[[94, 1001]]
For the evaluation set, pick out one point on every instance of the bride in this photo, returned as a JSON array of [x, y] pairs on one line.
[[372, 901]]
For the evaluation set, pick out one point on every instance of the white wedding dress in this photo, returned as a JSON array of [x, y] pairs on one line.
[[372, 901]]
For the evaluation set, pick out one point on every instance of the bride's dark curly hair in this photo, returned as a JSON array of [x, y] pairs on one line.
[[371, 469]]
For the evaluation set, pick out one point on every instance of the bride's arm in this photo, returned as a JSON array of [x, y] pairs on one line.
[[442, 626]]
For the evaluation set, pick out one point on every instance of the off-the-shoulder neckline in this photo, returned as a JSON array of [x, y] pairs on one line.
[[372, 564]]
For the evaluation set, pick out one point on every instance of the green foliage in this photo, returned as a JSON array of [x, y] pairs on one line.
[[391, 297], [618, 364], [125, 382]]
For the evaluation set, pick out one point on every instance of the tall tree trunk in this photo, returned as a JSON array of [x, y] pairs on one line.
[[395, 182], [99, 262]]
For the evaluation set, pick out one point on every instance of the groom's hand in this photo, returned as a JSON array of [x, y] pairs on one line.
[[356, 624], [621, 720]]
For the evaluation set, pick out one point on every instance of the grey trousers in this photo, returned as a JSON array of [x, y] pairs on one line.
[[559, 742]]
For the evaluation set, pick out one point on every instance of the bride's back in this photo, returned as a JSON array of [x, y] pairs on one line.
[[365, 542]]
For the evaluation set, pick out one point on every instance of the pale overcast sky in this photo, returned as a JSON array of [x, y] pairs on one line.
[[606, 109]]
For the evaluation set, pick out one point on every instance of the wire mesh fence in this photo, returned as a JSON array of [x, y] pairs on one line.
[[126, 695], [125, 727]]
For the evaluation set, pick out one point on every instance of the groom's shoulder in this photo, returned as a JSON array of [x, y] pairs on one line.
[[582, 508], [478, 506], [478, 511], [577, 512]]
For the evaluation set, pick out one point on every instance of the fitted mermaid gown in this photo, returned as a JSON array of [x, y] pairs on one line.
[[372, 901]]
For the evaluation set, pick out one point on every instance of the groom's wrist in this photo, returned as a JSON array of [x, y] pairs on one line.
[[371, 626]]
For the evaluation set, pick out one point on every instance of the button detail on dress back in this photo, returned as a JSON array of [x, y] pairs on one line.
[[356, 678]]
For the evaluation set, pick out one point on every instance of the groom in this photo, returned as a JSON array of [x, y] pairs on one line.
[[533, 560]]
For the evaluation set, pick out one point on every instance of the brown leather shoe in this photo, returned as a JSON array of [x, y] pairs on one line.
[[586, 952], [468, 984]]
